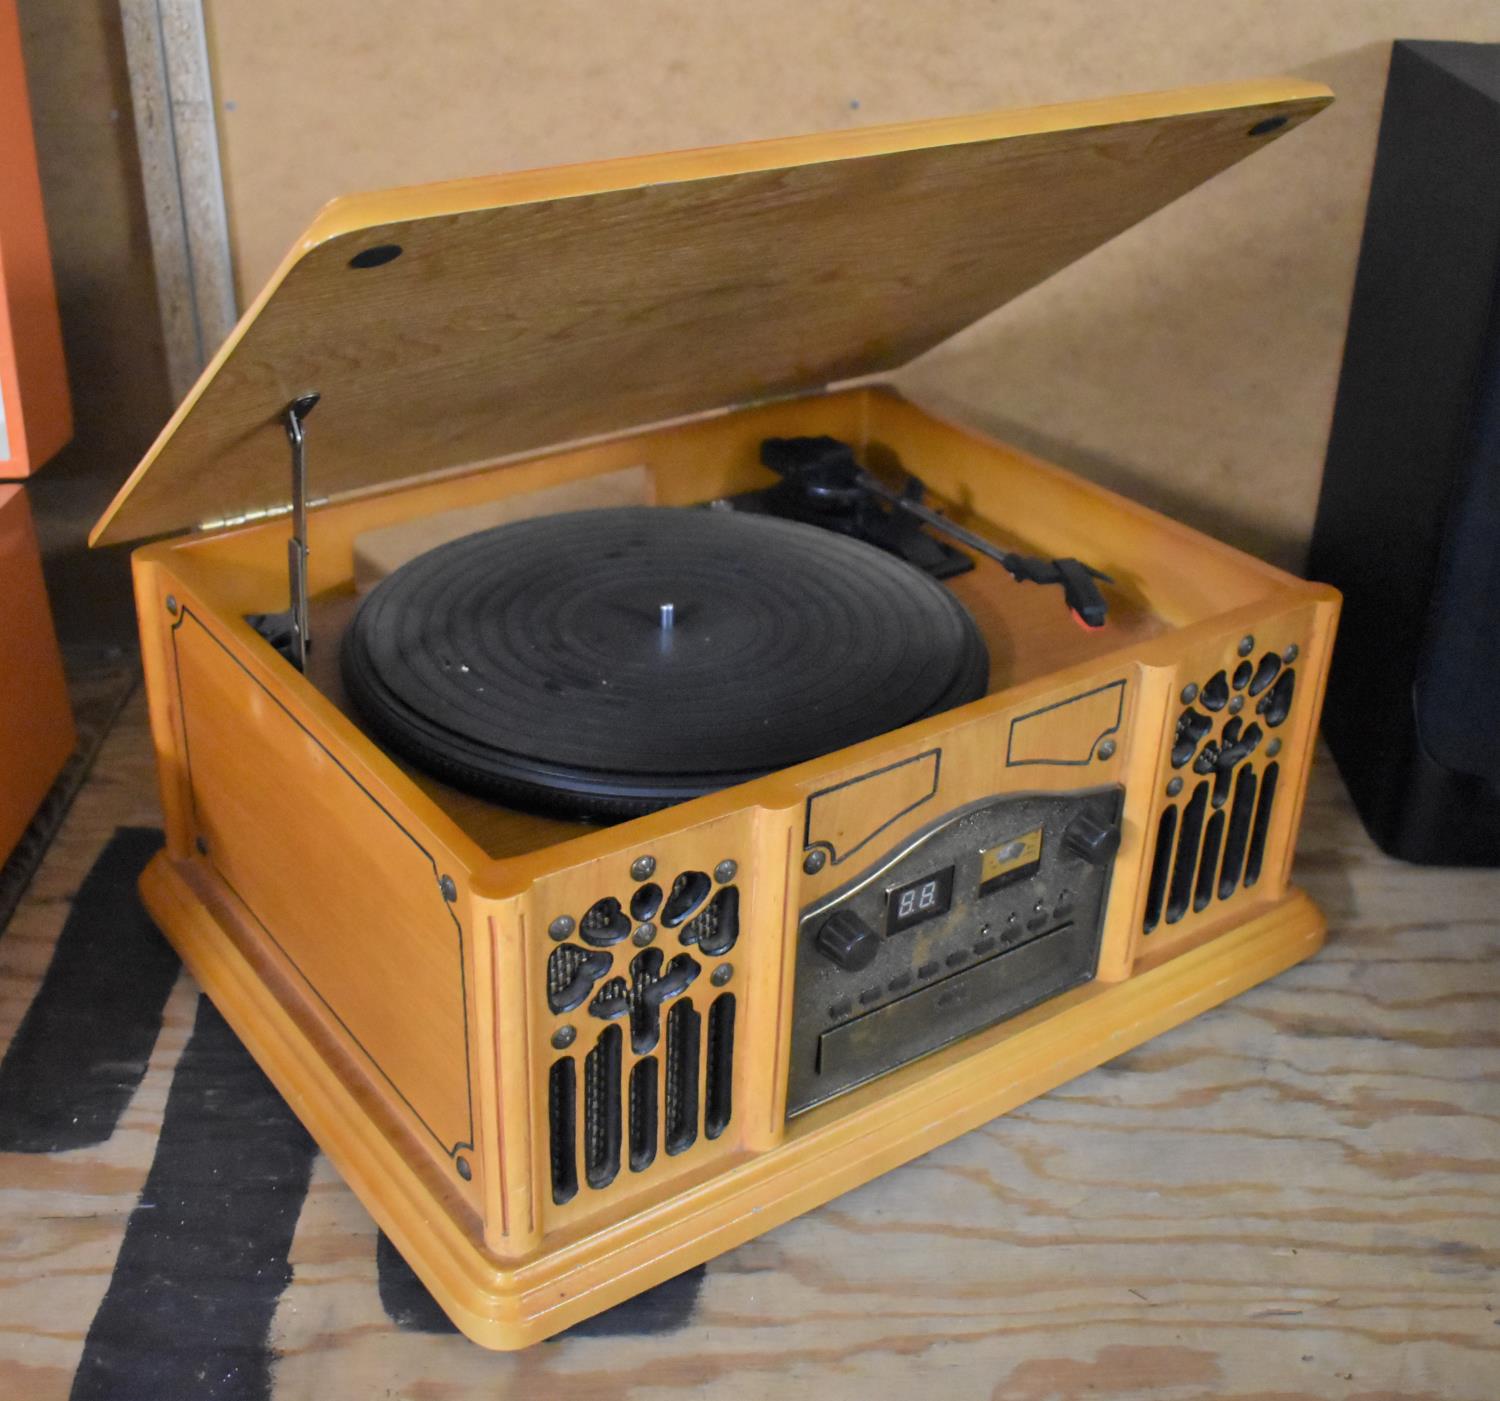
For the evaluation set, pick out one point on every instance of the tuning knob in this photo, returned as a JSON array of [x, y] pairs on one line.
[[1091, 839], [846, 940]]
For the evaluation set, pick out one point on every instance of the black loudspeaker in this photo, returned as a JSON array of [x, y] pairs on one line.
[[1408, 523]]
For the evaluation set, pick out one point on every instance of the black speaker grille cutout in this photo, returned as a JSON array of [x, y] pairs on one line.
[[1186, 863], [689, 890], [717, 928], [718, 1089], [643, 1114], [1240, 814], [601, 1109], [562, 1116], [1161, 867], [1262, 824], [683, 1024], [1208, 862]]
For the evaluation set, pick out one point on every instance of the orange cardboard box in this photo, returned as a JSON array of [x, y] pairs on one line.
[[35, 414], [36, 724]]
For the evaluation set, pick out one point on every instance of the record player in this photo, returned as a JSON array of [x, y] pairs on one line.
[[629, 777]]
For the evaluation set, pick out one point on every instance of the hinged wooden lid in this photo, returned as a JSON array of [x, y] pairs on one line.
[[525, 311]]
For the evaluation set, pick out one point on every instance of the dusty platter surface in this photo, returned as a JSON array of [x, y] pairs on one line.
[[607, 663]]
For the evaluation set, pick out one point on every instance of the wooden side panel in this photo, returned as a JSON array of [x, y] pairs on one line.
[[36, 724], [350, 897]]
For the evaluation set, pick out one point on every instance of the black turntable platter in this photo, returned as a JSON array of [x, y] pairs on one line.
[[608, 663]]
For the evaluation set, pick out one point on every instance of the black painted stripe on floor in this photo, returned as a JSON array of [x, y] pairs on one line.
[[82, 1047], [204, 1260], [663, 1309]]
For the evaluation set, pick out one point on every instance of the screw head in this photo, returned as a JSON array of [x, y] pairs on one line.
[[1247, 645], [449, 889], [1273, 748], [172, 604], [201, 843], [464, 1170], [561, 927], [644, 934], [1190, 693], [725, 871], [564, 1037], [1236, 704], [643, 868], [1290, 655], [1107, 749], [814, 861], [721, 975], [1174, 788]]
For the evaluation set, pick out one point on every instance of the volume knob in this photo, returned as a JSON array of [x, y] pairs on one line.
[[846, 940], [1091, 839]]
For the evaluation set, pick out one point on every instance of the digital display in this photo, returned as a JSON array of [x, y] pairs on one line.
[[918, 900]]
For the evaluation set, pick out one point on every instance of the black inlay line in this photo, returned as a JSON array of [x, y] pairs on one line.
[[1186, 864], [1203, 892], [664, 1308], [1262, 824], [82, 1047], [450, 1150], [936, 755], [1119, 686], [1239, 831], [1161, 866], [204, 1258]]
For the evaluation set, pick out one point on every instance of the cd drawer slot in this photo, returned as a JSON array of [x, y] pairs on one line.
[[965, 1002]]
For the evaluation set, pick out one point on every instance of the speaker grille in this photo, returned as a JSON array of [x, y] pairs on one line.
[[1220, 777]]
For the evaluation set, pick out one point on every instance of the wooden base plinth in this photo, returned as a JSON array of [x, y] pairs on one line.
[[512, 1304]]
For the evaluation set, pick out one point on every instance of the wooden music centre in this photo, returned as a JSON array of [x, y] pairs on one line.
[[606, 863]]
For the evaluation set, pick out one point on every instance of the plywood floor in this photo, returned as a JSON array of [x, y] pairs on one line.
[[1293, 1196]]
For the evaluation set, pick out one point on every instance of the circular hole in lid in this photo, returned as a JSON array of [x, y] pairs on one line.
[[375, 257]]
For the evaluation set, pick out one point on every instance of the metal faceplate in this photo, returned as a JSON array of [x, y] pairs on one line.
[[1014, 889]]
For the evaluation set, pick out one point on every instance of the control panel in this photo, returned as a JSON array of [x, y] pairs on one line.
[[989, 911]]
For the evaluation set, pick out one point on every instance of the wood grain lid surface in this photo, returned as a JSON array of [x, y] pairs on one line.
[[468, 321]]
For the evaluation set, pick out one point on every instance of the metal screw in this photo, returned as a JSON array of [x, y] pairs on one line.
[[1107, 749], [202, 844], [449, 889], [561, 927], [172, 604], [1189, 693], [643, 935], [1247, 645], [1174, 788], [724, 872], [721, 975], [1236, 704], [464, 1170], [814, 862], [643, 868], [1273, 749], [1290, 655], [563, 1037]]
